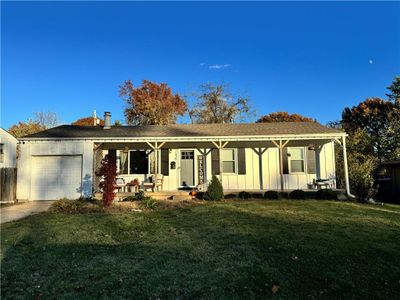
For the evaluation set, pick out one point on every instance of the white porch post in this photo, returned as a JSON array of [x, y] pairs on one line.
[[155, 161], [156, 147], [281, 163], [204, 152], [280, 147], [220, 161], [346, 170], [260, 153], [220, 146]]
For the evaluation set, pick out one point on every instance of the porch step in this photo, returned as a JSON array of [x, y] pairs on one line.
[[156, 193], [173, 195], [167, 195]]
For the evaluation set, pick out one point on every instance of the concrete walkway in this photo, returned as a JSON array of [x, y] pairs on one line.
[[19, 211]]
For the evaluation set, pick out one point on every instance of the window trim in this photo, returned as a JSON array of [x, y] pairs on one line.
[[290, 160], [2, 146], [235, 161], [129, 163]]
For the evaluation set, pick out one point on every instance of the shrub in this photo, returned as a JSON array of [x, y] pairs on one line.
[[244, 195], [129, 199], [215, 190], [257, 195], [271, 195], [362, 179], [200, 195], [67, 206], [325, 194], [140, 196], [149, 203], [297, 194], [230, 196], [108, 170]]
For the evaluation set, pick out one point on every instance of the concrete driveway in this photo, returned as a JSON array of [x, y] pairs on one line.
[[19, 211]]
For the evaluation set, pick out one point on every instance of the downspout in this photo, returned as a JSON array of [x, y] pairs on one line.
[[346, 170]]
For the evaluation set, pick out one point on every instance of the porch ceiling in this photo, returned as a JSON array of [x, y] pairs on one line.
[[202, 145]]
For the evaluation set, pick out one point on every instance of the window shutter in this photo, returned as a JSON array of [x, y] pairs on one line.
[[241, 161], [165, 162], [285, 161], [215, 162], [112, 155], [311, 162]]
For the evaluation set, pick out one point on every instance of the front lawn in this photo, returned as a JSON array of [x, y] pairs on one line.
[[233, 249]]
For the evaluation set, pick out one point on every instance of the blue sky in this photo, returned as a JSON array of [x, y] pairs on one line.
[[312, 58]]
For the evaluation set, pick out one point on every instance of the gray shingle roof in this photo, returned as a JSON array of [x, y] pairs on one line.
[[186, 130]]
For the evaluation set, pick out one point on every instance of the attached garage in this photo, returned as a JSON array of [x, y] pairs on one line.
[[56, 176]]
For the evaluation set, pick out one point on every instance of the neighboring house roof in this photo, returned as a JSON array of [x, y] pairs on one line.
[[5, 133], [187, 130], [392, 163]]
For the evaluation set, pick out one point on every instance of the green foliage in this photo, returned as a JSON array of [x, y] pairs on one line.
[[362, 165], [297, 195], [215, 190], [257, 195], [283, 116], [271, 195], [137, 197], [244, 195], [361, 175], [149, 203], [375, 117], [200, 195], [145, 201], [394, 91], [325, 194]]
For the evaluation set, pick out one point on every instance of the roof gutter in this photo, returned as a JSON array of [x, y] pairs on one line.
[[198, 138]]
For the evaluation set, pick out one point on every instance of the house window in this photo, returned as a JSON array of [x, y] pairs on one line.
[[296, 160], [228, 161], [1, 153], [134, 162], [138, 162]]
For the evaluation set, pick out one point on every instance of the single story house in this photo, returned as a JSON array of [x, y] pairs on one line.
[[8, 150], [62, 161]]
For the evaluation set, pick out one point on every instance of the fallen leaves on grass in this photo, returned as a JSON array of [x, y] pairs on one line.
[[275, 288]]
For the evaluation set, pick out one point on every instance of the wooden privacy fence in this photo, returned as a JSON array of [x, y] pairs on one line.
[[8, 184]]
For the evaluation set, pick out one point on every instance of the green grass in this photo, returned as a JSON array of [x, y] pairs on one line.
[[233, 249]]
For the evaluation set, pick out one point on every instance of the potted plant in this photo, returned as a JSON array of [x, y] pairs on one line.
[[133, 185]]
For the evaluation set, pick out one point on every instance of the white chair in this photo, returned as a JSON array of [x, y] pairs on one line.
[[158, 182], [154, 183]]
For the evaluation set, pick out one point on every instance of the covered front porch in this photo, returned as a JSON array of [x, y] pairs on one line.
[[240, 163]]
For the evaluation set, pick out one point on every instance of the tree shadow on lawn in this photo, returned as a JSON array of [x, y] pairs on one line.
[[198, 253]]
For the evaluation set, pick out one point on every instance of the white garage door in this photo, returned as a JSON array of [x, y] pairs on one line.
[[55, 177]]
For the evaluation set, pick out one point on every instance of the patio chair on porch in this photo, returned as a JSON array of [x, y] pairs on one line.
[[323, 183], [154, 183], [159, 181]]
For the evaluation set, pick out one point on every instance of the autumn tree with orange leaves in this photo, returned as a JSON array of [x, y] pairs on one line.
[[26, 128], [283, 116], [151, 103], [89, 121], [42, 121]]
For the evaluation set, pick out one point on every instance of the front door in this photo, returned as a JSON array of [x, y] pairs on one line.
[[187, 168]]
